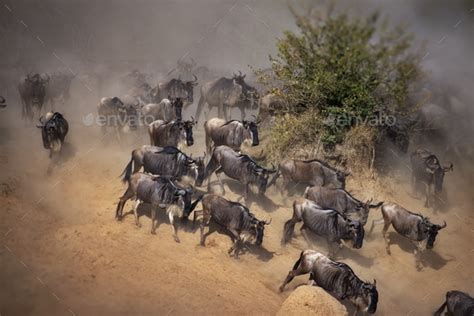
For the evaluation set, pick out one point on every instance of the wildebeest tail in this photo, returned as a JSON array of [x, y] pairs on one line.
[[193, 205], [289, 226], [275, 177], [127, 172], [297, 263], [440, 310]]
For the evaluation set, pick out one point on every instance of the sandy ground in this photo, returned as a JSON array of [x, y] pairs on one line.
[[63, 253]]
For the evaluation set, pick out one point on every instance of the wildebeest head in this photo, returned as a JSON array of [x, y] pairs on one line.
[[252, 127], [262, 177], [189, 88], [49, 131], [357, 233], [432, 231], [438, 176], [248, 92], [178, 107], [188, 129], [259, 228], [370, 296]]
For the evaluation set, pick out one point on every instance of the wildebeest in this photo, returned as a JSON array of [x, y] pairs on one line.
[[3, 102], [232, 133], [341, 201], [32, 89], [457, 304], [235, 218], [168, 161], [54, 128], [59, 87], [172, 133], [175, 88], [427, 170], [417, 228], [327, 223], [166, 110], [160, 192], [239, 167], [222, 93], [336, 278], [310, 172], [113, 112]]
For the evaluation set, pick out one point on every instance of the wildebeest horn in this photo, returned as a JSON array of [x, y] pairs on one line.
[[375, 281], [195, 78], [192, 119], [240, 73], [268, 222], [444, 225]]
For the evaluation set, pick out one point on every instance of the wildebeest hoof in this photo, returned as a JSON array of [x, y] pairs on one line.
[[176, 239], [281, 289], [153, 232], [139, 225]]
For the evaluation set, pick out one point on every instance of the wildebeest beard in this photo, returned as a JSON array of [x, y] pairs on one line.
[[359, 233]]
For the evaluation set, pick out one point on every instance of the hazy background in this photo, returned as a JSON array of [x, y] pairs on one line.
[[110, 38]]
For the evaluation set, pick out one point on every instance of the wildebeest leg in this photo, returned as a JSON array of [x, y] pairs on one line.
[[153, 218], [135, 212], [385, 235], [173, 228], [212, 228], [237, 241], [206, 218], [419, 247], [218, 172], [125, 197], [300, 267]]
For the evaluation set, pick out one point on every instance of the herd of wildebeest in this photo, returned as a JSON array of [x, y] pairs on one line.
[[170, 176]]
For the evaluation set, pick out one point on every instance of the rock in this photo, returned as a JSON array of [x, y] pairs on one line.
[[311, 300]]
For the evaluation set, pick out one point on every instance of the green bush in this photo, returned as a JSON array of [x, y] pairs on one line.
[[338, 67]]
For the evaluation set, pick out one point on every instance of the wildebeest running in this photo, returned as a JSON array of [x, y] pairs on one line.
[[457, 304], [232, 133], [336, 278], [160, 192], [417, 228], [235, 218], [327, 223], [341, 201], [427, 171]]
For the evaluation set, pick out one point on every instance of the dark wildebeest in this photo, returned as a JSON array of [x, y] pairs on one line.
[[235, 218], [168, 161], [225, 94], [427, 170], [32, 89], [327, 223], [166, 110], [175, 88], [59, 87], [113, 112], [239, 167], [310, 172], [160, 192], [233, 133], [54, 128], [417, 228], [458, 304], [337, 278], [341, 201], [2, 102], [173, 133]]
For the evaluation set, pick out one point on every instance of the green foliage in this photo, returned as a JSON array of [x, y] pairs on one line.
[[338, 67]]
